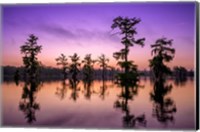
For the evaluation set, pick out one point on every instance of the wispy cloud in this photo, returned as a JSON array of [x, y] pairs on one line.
[[57, 31], [77, 34]]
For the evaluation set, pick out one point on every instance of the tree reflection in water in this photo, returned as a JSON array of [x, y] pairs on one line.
[[127, 93], [88, 90], [163, 107], [180, 81], [103, 89], [61, 91], [73, 85], [28, 104]]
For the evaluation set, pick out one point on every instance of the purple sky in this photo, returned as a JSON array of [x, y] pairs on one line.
[[86, 28]]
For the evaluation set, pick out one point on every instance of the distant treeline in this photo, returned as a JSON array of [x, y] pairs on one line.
[[53, 73], [56, 73]]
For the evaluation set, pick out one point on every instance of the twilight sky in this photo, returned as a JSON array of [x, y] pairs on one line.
[[86, 28]]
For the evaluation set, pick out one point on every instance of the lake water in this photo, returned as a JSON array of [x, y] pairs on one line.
[[102, 104]]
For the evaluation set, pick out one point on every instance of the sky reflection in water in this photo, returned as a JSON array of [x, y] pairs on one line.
[[99, 105]]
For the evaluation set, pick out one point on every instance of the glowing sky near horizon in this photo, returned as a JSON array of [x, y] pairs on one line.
[[86, 28]]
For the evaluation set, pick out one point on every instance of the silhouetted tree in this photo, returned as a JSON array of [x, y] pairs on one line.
[[74, 66], [129, 77], [102, 61], [88, 67], [62, 60], [163, 107], [30, 50], [128, 31], [31, 64], [88, 74], [162, 52]]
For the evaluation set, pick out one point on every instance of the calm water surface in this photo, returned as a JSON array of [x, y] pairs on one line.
[[101, 104]]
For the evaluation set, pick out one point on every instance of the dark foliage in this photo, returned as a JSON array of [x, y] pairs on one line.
[[102, 61], [62, 60], [74, 67], [88, 67], [30, 50], [127, 31], [162, 52]]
